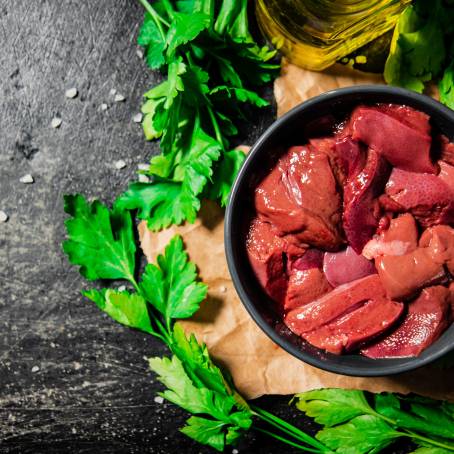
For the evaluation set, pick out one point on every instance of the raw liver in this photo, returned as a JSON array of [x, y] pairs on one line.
[[346, 266], [446, 149], [305, 287], [427, 318], [361, 208], [335, 313], [428, 197], [402, 138], [300, 196], [400, 238]]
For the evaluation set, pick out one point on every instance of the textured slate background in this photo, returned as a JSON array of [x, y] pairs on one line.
[[70, 379]]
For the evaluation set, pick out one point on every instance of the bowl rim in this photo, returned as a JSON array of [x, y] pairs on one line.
[[247, 302]]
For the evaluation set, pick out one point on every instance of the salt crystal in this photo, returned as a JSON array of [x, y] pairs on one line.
[[35, 369], [122, 288], [77, 365], [137, 118], [235, 451], [119, 98], [52, 344], [71, 93], [159, 400], [113, 91], [143, 178], [143, 166], [27, 179], [103, 106], [120, 164], [56, 122], [3, 216], [222, 289], [139, 53]]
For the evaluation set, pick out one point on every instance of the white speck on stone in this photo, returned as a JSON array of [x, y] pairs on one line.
[[119, 98], [143, 166], [56, 122], [159, 400], [143, 178], [73, 430], [77, 365], [103, 106], [71, 93], [3, 216], [120, 164], [235, 451], [52, 344], [223, 289], [113, 92], [122, 288], [139, 53], [35, 369], [137, 118], [27, 179]]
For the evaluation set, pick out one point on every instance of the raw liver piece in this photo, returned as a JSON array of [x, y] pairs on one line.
[[440, 242], [300, 196], [400, 238], [357, 327], [328, 146], [446, 174], [411, 117], [361, 208], [305, 287], [337, 304], [446, 149], [312, 258], [427, 197], [266, 255], [351, 155], [427, 318], [404, 144], [346, 266]]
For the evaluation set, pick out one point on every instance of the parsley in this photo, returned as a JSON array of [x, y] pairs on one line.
[[353, 425], [212, 65], [418, 50]]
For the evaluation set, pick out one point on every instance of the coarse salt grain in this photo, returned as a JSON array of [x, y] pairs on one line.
[[143, 166], [122, 288], [103, 106], [143, 178], [159, 400], [235, 451], [113, 91], [137, 118], [56, 122], [71, 93], [119, 98], [35, 369], [139, 53], [120, 164], [222, 289], [3, 216], [27, 179]]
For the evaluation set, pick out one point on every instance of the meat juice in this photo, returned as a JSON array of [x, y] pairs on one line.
[[352, 235]]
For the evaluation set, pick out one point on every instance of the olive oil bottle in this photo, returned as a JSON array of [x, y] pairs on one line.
[[314, 34]]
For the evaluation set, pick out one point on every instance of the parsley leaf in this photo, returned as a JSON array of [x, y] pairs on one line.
[[161, 203], [100, 241], [227, 420], [361, 435], [333, 406], [446, 86], [150, 38], [129, 309], [171, 286]]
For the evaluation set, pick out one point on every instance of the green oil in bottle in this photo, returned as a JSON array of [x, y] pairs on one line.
[[314, 34]]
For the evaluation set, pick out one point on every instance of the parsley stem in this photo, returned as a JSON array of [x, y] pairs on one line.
[[288, 428], [217, 131], [156, 17], [168, 7], [416, 436], [285, 440]]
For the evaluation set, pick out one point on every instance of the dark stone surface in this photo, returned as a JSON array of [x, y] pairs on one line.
[[71, 380]]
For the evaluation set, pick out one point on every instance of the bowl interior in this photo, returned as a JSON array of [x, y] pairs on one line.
[[312, 118]]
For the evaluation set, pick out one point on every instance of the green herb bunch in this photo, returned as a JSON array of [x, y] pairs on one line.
[[422, 48], [212, 65]]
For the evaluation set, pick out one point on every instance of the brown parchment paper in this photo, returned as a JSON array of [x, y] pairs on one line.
[[257, 365]]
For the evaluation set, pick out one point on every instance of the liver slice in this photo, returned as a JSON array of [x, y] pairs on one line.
[[427, 318], [400, 136], [300, 196], [304, 287], [335, 313]]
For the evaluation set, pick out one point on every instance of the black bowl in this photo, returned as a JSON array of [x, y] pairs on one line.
[[314, 117]]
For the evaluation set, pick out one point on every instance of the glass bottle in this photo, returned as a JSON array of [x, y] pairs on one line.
[[314, 34]]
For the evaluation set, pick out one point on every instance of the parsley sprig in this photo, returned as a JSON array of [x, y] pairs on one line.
[[101, 242], [212, 65]]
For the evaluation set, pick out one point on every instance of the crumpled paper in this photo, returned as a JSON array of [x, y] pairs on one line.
[[257, 365]]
